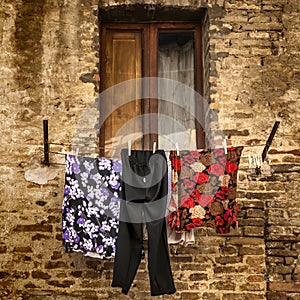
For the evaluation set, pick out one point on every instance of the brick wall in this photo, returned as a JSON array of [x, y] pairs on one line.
[[49, 66]]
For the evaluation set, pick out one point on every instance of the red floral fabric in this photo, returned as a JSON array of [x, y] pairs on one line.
[[204, 187]]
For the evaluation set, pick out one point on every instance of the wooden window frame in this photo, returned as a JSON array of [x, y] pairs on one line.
[[150, 32]]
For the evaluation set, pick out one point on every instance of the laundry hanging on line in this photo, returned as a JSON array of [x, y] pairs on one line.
[[91, 212]]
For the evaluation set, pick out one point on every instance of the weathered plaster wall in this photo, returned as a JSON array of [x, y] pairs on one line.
[[48, 70]]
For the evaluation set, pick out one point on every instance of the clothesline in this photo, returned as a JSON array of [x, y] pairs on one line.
[[222, 145], [117, 147], [64, 153]]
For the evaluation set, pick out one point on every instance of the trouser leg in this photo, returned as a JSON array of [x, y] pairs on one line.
[[161, 279], [128, 255]]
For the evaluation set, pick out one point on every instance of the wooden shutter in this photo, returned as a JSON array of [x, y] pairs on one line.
[[123, 61]]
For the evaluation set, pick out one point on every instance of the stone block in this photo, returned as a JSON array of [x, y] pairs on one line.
[[40, 275], [224, 260], [33, 228], [3, 249], [256, 278], [251, 251], [244, 296], [255, 260], [25, 249], [198, 277], [190, 295], [195, 266], [253, 287], [255, 213], [61, 284], [222, 285], [282, 252], [284, 287], [245, 241], [255, 204], [55, 265], [210, 296], [254, 231], [224, 269]]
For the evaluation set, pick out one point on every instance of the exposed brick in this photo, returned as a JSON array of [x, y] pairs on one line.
[[46, 294], [3, 249], [254, 231], [33, 228], [278, 245], [222, 285], [86, 294], [195, 266], [283, 269], [251, 251], [56, 255], [190, 296], [256, 278], [243, 296], [210, 296], [255, 260], [40, 275], [22, 249], [20, 274], [280, 252], [228, 250], [4, 275], [229, 260], [252, 287], [289, 260], [276, 296], [182, 259], [63, 284], [275, 260], [76, 274], [226, 269], [284, 238], [284, 287], [253, 204], [255, 213], [198, 277], [38, 237], [251, 222], [245, 241], [92, 264], [262, 196], [30, 285], [55, 264], [236, 132]]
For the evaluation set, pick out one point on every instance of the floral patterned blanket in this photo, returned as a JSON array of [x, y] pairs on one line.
[[204, 187], [91, 206]]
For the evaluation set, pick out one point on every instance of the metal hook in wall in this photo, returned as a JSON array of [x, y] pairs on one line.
[[46, 143]]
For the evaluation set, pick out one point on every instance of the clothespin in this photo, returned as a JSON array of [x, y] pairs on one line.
[[177, 149], [129, 148], [249, 161], [224, 143], [154, 147]]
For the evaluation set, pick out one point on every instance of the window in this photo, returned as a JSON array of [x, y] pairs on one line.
[[155, 49]]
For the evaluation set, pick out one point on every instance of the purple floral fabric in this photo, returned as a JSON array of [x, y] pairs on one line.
[[91, 205]]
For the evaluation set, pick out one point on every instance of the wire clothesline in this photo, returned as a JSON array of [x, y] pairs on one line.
[[47, 143], [117, 147]]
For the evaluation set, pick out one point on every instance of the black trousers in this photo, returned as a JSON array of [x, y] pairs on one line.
[[144, 194]]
